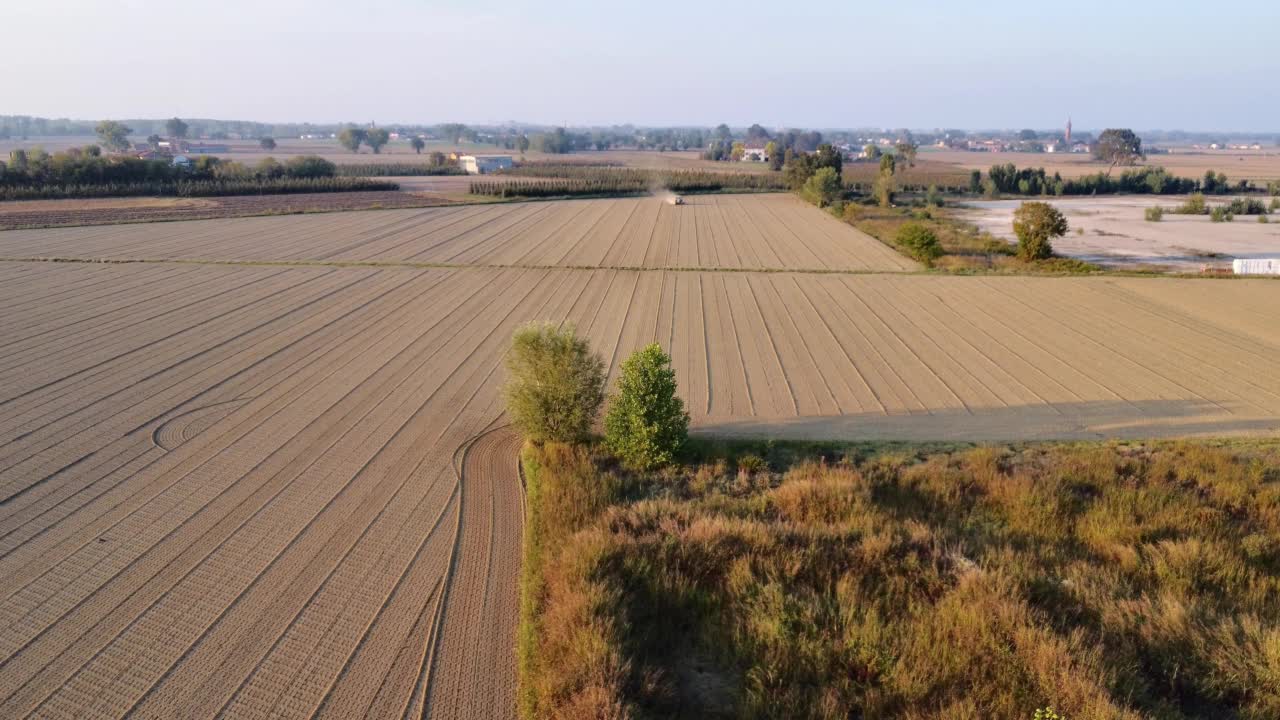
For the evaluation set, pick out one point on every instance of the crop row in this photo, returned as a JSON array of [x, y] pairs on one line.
[[197, 188], [396, 169]]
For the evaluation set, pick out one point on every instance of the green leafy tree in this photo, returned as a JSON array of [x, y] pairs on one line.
[[417, 143], [154, 141], [555, 384], [737, 150], [906, 152], [176, 127], [113, 134], [1036, 224], [828, 156], [1118, 147], [646, 425], [267, 143], [797, 169], [723, 132], [351, 138], [871, 151], [774, 154], [522, 144], [885, 185], [919, 242], [375, 138], [822, 187]]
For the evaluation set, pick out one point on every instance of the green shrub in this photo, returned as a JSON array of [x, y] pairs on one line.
[[1221, 214], [555, 384], [919, 242], [1246, 206], [1275, 205], [1036, 224], [752, 464], [646, 425], [1154, 214], [933, 196], [1194, 205], [1263, 219], [822, 187]]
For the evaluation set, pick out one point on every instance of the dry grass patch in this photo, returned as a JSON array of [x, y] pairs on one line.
[[965, 248], [1105, 581]]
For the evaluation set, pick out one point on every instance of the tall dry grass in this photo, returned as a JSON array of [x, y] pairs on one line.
[[1105, 581]]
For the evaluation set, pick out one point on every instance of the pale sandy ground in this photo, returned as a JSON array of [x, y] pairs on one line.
[[1116, 234], [267, 491]]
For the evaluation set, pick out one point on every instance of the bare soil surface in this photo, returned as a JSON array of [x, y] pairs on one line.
[[254, 490], [112, 211], [709, 231], [1116, 234]]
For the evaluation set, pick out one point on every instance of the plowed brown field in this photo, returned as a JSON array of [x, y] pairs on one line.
[[266, 491], [711, 231]]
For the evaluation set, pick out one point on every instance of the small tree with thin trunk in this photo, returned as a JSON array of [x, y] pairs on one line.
[[417, 143], [646, 425], [555, 384], [1036, 224], [375, 138], [267, 143]]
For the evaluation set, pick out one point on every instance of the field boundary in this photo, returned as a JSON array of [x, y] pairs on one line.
[[415, 265]]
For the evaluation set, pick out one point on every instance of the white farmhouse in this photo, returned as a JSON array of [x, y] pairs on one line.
[[755, 152], [481, 164]]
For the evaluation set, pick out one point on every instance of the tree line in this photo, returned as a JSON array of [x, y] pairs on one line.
[[87, 172], [1010, 179]]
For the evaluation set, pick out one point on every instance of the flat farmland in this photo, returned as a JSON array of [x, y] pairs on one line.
[[255, 490], [710, 231], [1256, 165]]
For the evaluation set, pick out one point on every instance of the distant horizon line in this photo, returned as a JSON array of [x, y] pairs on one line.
[[642, 126]]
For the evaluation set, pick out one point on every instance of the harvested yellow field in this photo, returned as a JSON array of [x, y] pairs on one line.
[[265, 491], [710, 231]]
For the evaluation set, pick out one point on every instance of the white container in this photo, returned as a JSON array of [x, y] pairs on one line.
[[1256, 266]]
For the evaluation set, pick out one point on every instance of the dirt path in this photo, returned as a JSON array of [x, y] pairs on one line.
[[473, 672]]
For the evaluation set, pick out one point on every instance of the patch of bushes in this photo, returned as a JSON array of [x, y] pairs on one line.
[[1194, 205], [919, 242], [1083, 580], [1221, 213], [1153, 214]]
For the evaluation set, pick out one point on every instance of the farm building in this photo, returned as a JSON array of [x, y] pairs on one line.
[[481, 164], [755, 153]]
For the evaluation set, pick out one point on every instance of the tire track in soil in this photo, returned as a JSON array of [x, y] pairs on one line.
[[472, 674]]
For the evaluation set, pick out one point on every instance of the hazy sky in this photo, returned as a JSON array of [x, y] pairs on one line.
[[820, 63]]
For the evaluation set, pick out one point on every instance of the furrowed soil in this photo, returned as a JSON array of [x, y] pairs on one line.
[[111, 211], [232, 487]]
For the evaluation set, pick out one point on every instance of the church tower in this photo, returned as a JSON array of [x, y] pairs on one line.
[[1068, 136]]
